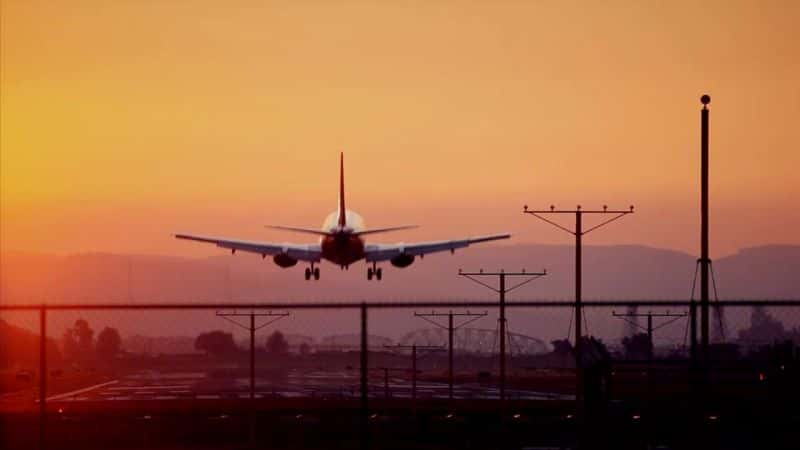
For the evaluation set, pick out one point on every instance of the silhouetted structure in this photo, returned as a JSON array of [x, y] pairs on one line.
[[503, 290], [578, 232]]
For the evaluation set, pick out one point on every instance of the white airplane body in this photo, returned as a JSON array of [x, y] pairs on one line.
[[342, 243]]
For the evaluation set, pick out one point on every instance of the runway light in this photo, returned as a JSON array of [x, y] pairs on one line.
[[223, 416], [761, 377], [516, 416], [636, 417], [449, 416], [568, 417], [61, 410], [713, 418], [298, 417], [374, 416]]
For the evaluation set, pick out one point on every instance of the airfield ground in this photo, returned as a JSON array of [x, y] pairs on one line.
[[315, 409]]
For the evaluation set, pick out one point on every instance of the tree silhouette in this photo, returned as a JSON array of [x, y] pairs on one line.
[[764, 329], [594, 350], [69, 346], [77, 341], [562, 347], [84, 335], [109, 343], [637, 346], [276, 344], [217, 343]]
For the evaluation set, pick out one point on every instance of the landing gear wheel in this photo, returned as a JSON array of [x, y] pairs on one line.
[[316, 273], [369, 273], [378, 273], [308, 273]]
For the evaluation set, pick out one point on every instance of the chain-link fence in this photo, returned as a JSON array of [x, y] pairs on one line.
[[388, 375]]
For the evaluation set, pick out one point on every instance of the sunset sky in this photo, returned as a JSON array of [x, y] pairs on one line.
[[126, 121]]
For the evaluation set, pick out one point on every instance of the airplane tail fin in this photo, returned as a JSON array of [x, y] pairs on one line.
[[342, 210]]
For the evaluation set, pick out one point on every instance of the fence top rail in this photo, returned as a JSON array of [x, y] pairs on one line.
[[391, 304]]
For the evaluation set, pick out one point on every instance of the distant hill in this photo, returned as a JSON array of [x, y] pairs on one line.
[[610, 272], [20, 348]]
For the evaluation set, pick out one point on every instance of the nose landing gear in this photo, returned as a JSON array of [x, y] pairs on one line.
[[312, 271], [374, 271]]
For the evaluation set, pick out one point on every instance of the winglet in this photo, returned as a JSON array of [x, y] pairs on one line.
[[342, 211]]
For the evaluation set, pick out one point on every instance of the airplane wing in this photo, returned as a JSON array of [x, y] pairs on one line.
[[300, 252], [383, 252]]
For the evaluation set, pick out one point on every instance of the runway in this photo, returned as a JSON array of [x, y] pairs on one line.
[[159, 386]]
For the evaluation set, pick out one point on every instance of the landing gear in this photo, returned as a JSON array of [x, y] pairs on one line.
[[312, 271], [374, 271]]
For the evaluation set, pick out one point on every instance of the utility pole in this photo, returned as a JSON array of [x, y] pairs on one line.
[[502, 290], [630, 317], [252, 328], [578, 232], [429, 317]]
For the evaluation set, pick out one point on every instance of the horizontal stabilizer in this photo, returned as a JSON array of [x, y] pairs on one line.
[[384, 230], [298, 230]]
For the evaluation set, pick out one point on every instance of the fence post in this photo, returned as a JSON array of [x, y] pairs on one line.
[[253, 409], [42, 377], [364, 385]]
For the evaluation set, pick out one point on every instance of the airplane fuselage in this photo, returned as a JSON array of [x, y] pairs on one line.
[[341, 246]]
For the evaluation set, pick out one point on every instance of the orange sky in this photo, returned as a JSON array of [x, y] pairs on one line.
[[123, 122]]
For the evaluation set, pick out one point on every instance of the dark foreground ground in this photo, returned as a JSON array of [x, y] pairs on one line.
[[738, 409], [399, 424]]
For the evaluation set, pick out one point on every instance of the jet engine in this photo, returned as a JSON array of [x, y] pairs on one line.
[[402, 260], [284, 260]]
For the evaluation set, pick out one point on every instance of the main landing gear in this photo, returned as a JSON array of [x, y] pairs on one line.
[[312, 271], [374, 271]]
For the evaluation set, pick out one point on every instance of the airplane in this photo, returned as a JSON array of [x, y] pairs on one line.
[[341, 241]]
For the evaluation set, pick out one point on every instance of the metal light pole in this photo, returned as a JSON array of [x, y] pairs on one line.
[[578, 232], [704, 257], [502, 290], [450, 329], [414, 348], [252, 328]]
